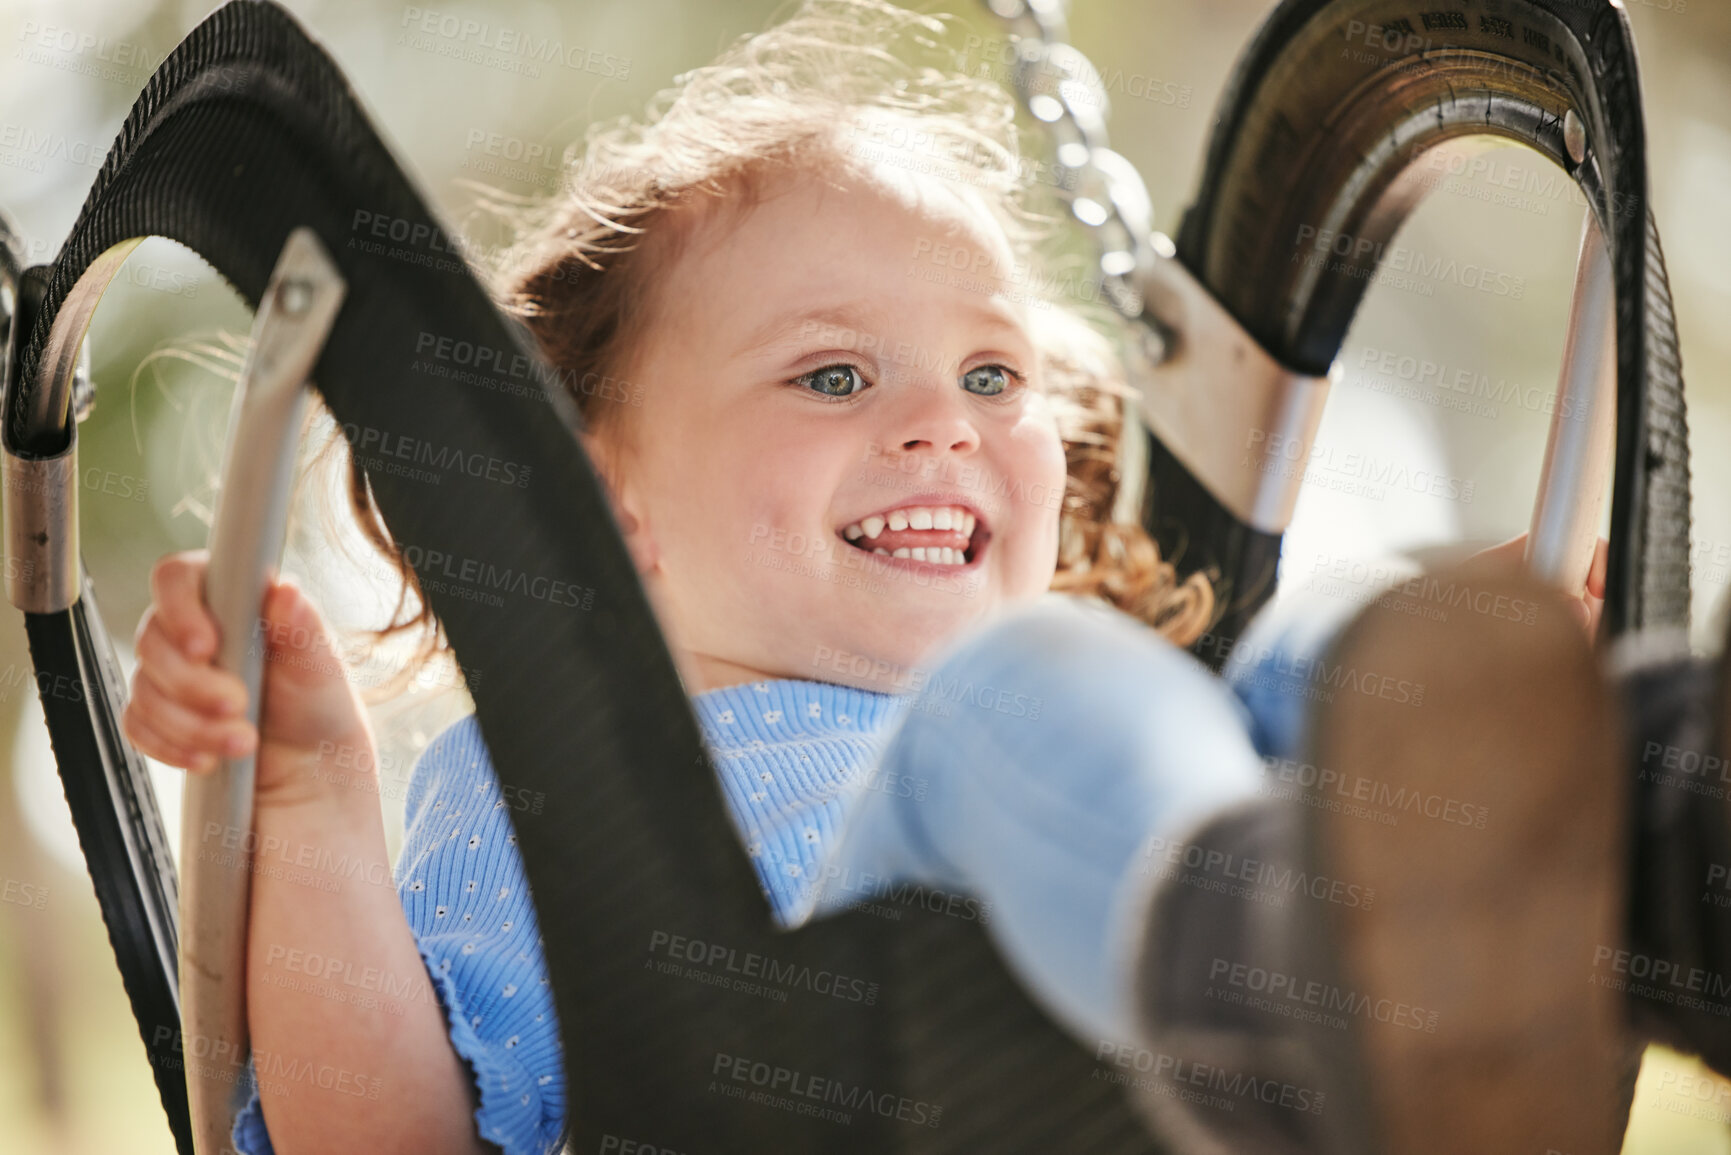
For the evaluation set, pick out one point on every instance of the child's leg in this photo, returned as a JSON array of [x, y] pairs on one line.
[[1053, 748], [1050, 834], [1138, 764], [1427, 976], [1679, 783], [1278, 668]]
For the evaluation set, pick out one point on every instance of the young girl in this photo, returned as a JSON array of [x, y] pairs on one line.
[[851, 440]]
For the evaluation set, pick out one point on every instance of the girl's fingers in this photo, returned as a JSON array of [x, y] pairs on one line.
[[149, 742], [187, 729], [177, 604], [198, 685], [1596, 572], [1509, 552]]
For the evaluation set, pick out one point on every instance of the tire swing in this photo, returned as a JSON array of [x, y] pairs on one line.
[[248, 147], [1311, 170]]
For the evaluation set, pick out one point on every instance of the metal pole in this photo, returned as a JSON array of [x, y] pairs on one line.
[[294, 317], [1579, 456]]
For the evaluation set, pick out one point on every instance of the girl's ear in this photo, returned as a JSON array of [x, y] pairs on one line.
[[622, 498]]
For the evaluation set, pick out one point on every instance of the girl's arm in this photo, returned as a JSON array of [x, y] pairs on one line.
[[350, 1046]]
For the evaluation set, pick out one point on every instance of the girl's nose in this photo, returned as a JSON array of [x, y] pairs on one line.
[[934, 415]]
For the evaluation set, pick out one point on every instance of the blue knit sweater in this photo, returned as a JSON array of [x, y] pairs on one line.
[[792, 756]]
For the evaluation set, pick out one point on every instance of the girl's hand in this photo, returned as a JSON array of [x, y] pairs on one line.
[[186, 712], [1589, 603]]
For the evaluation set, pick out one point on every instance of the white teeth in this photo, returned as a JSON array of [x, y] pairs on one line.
[[919, 553], [882, 550], [903, 552], [948, 518]]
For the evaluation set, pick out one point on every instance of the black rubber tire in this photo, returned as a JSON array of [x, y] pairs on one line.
[[1325, 115]]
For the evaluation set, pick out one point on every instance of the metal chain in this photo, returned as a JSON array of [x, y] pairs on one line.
[[1061, 88]]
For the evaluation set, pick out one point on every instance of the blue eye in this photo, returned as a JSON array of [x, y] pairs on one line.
[[834, 381], [992, 380]]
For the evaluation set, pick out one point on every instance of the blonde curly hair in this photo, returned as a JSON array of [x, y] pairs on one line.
[[838, 81]]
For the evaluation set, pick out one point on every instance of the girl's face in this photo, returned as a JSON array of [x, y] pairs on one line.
[[833, 377]]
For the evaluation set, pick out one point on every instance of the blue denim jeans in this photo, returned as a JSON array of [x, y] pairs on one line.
[[1058, 743]]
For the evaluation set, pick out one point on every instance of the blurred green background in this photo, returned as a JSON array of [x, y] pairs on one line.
[[73, 1077]]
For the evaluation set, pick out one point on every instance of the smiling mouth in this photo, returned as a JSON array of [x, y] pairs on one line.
[[942, 535]]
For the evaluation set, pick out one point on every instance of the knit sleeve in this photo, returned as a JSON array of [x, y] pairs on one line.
[[462, 885]]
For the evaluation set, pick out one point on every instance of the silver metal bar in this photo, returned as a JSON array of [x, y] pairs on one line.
[[51, 402], [41, 492], [1241, 422], [42, 574], [1580, 453], [294, 317]]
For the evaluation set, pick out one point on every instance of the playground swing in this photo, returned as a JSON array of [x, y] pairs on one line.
[[247, 147]]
